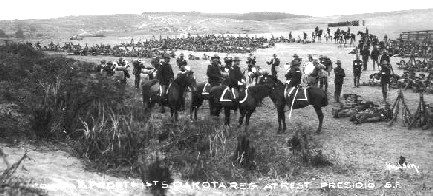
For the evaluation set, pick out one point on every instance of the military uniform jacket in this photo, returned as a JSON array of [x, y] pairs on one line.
[[375, 54], [165, 74], [235, 76], [384, 57], [357, 66], [339, 75], [181, 62], [137, 67], [295, 76], [251, 62], [365, 53], [274, 63], [155, 63], [228, 61], [213, 73], [386, 71]]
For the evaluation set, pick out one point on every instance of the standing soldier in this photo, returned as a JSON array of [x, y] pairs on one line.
[[165, 75], [386, 70], [375, 57], [357, 67], [236, 78], [365, 53], [155, 64], [274, 63], [228, 61], [137, 68], [293, 77], [339, 79], [251, 62], [181, 61]]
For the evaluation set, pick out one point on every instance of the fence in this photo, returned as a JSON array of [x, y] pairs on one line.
[[417, 36]]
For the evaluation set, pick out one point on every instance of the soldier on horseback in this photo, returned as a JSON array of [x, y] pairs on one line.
[[236, 78], [165, 75], [228, 61], [293, 77], [214, 74]]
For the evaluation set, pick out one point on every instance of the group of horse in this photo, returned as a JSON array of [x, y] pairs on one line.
[[250, 97]]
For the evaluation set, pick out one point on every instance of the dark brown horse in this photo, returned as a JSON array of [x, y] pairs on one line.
[[315, 97], [197, 99], [250, 99], [175, 91]]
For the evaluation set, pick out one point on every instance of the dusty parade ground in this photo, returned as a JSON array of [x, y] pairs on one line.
[[359, 153]]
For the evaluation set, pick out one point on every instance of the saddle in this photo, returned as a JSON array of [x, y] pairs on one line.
[[229, 95], [206, 89]]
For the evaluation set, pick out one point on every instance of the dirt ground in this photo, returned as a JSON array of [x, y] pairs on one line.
[[361, 152]]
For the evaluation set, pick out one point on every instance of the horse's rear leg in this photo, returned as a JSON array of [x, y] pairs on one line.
[[281, 121], [241, 118], [320, 116], [227, 115]]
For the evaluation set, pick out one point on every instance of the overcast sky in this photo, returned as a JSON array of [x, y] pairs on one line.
[[39, 9]]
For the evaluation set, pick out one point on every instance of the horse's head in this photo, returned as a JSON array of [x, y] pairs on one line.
[[188, 80], [268, 80]]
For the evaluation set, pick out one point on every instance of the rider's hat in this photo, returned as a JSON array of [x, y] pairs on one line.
[[338, 62], [295, 55]]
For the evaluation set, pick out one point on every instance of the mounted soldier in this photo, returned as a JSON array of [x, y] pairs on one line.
[[293, 77], [165, 76], [236, 78], [214, 75]]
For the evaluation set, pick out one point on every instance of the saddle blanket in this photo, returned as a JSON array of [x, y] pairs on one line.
[[296, 94], [227, 95], [206, 89]]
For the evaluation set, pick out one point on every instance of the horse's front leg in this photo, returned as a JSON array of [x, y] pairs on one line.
[[320, 116], [249, 113], [279, 121], [283, 119], [191, 111]]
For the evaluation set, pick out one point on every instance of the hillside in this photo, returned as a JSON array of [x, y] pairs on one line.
[[182, 23], [259, 16]]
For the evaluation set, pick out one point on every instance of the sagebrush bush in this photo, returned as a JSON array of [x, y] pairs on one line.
[[54, 91]]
